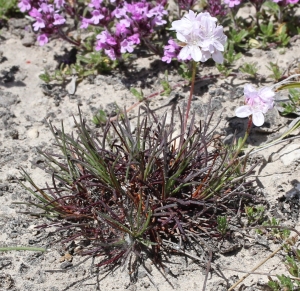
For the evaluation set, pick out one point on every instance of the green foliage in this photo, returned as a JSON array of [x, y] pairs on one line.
[[238, 38], [184, 71], [166, 85], [138, 94], [275, 231], [127, 190], [222, 225], [254, 214], [230, 56], [294, 104], [7, 8], [276, 71], [89, 64], [249, 68], [100, 118]]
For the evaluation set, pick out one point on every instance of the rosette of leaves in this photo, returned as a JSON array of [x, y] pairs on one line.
[[131, 189]]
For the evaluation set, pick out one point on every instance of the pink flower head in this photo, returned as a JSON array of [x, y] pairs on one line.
[[97, 16], [42, 39], [38, 24], [202, 37], [95, 4], [85, 23], [59, 3], [232, 3], [170, 51], [24, 5], [258, 102], [126, 46], [59, 20], [46, 8]]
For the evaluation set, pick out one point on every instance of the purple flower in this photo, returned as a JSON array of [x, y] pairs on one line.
[[106, 38], [258, 102], [59, 20], [95, 4], [38, 24], [59, 3], [42, 39], [84, 23], [97, 16], [126, 46], [46, 8], [24, 5], [170, 51], [110, 53], [232, 3], [186, 4], [216, 8]]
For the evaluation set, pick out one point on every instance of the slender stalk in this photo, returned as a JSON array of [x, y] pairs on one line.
[[68, 39], [188, 108], [7, 249]]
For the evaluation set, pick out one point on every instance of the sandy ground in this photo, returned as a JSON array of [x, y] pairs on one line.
[[25, 112]]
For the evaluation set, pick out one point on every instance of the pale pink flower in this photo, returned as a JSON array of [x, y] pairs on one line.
[[24, 5], [42, 39], [232, 3], [258, 102], [201, 36]]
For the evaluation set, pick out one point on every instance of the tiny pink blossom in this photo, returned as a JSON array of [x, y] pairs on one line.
[[97, 16], [59, 3], [38, 24], [232, 3], [24, 5], [42, 39], [258, 102], [59, 20]]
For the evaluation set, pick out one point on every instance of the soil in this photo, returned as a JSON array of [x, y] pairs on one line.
[[26, 108]]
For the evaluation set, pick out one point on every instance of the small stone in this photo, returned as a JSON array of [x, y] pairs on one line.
[[29, 39], [33, 133], [66, 265]]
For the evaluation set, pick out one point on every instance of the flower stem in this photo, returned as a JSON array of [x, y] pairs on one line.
[[188, 108], [6, 249]]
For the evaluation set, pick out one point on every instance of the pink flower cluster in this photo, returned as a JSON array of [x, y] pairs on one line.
[[257, 103], [201, 37], [47, 17], [135, 21]]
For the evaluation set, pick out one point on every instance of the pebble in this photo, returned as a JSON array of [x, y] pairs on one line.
[[33, 133], [66, 265]]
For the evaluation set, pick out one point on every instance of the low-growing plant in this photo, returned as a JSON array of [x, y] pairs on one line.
[[254, 214], [222, 225], [276, 71], [130, 191], [249, 68], [230, 56], [7, 8], [294, 104]]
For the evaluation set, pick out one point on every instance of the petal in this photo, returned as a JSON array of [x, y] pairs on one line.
[[196, 53], [184, 53], [217, 57], [205, 56], [266, 93], [249, 89], [218, 46], [258, 118], [181, 37], [243, 111]]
